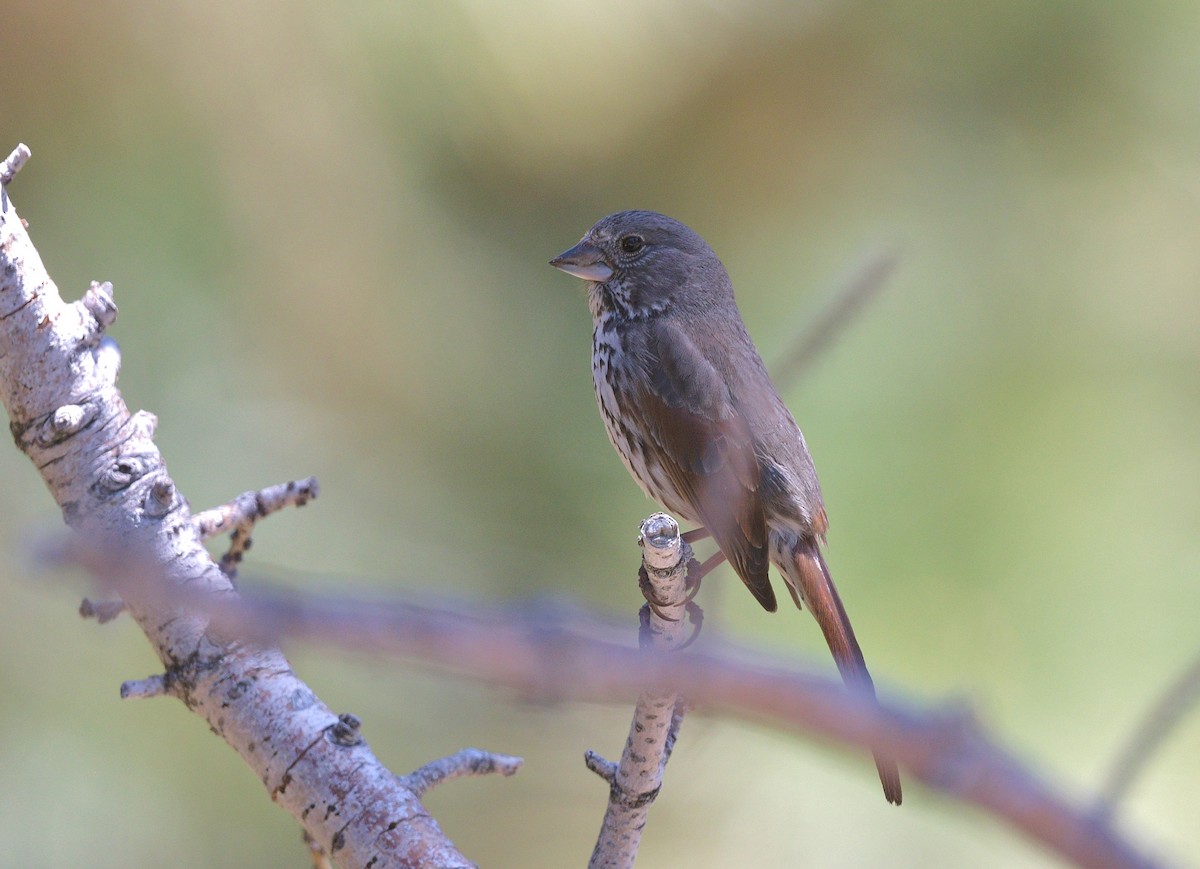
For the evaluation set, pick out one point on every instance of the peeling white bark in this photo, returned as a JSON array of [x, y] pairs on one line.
[[58, 377]]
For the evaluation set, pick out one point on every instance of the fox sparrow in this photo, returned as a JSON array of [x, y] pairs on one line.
[[690, 408]]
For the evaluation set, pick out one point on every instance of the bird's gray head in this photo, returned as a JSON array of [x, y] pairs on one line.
[[640, 263]]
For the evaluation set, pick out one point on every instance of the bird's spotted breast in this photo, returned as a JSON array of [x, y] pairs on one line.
[[612, 373]]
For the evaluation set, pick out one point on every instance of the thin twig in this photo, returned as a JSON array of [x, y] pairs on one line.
[[145, 689], [13, 163], [241, 514], [867, 279], [467, 762], [103, 611], [1158, 724], [320, 860]]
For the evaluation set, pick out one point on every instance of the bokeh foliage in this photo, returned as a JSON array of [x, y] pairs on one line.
[[328, 226]]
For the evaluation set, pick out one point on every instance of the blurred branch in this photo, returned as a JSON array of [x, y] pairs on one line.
[[550, 654], [634, 782], [58, 375], [867, 279], [103, 611], [1148, 738]]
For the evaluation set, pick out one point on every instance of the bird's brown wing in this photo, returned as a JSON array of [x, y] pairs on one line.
[[706, 450]]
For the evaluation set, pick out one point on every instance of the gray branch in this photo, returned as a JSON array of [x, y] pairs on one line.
[[58, 375], [467, 762], [556, 654]]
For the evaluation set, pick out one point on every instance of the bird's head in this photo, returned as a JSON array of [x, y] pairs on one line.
[[639, 263]]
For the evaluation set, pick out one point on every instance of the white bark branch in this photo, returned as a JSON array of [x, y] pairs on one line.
[[467, 762], [242, 513], [58, 383], [13, 163], [634, 782]]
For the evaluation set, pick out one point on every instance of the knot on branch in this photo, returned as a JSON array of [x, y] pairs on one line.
[[122, 473], [56, 426], [143, 424], [98, 302], [347, 731], [161, 498], [12, 165], [617, 795], [657, 597], [64, 422], [107, 359]]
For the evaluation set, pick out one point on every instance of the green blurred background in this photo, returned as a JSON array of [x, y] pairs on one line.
[[328, 229]]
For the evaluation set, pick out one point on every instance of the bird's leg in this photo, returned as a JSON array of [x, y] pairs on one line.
[[697, 572], [696, 617]]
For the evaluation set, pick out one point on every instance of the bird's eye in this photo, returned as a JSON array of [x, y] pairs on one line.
[[632, 243]]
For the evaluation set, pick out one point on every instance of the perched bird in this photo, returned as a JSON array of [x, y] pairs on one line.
[[690, 408]]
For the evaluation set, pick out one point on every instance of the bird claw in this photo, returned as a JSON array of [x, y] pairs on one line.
[[693, 580]]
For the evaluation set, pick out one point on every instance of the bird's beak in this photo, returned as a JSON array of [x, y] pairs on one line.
[[585, 261]]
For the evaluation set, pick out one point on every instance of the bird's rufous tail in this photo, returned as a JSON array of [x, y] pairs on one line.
[[812, 586]]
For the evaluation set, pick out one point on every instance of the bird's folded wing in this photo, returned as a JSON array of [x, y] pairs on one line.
[[706, 450]]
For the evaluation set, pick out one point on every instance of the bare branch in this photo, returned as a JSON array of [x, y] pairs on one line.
[[548, 654], [13, 163], [636, 779], [58, 375], [467, 762], [1159, 722], [241, 514], [867, 279], [103, 611]]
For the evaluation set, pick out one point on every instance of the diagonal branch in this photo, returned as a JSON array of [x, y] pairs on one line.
[[866, 281], [1160, 720], [58, 375]]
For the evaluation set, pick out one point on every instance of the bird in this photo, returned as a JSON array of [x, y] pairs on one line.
[[688, 404]]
